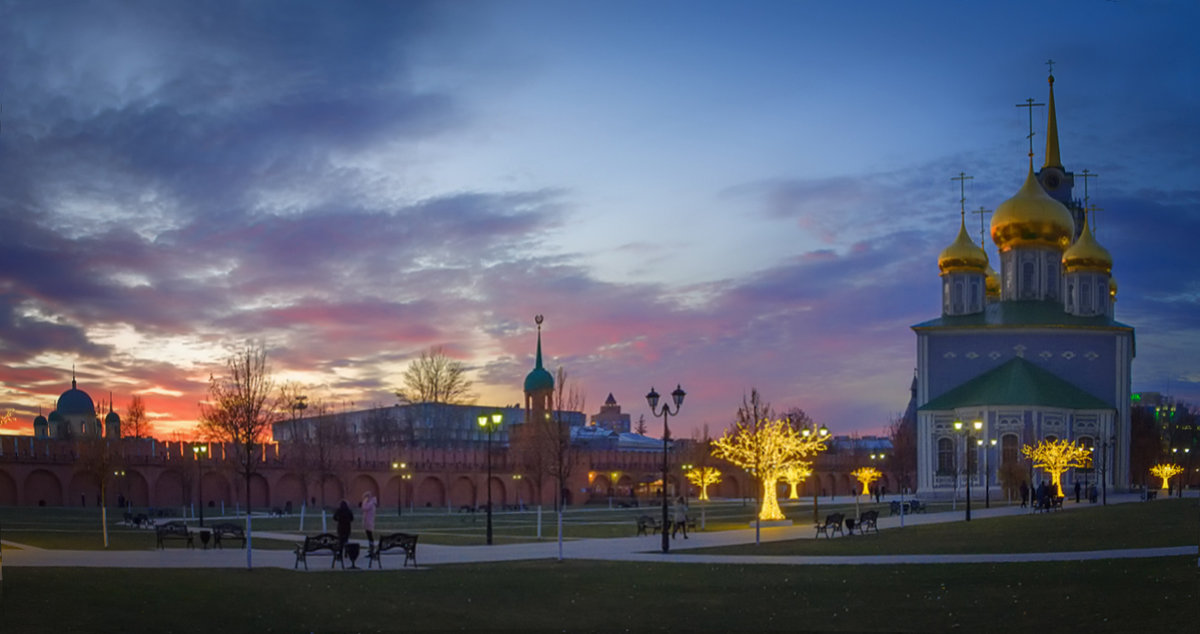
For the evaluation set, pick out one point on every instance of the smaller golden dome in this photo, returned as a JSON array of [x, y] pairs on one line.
[[1112, 289], [1087, 254], [1032, 218], [963, 255], [991, 283]]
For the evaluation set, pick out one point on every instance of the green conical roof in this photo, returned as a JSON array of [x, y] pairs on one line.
[[1017, 382], [539, 379]]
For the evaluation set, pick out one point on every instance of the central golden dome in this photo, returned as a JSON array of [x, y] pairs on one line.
[[1032, 218], [962, 254], [1087, 254]]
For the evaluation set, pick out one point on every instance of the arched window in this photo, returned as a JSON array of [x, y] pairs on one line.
[[1027, 280], [1009, 449], [945, 456]]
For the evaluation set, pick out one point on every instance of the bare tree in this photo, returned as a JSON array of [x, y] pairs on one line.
[[435, 378], [640, 428], [242, 405], [903, 459], [135, 419], [99, 459]]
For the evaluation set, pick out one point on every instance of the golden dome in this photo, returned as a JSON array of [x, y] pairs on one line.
[[1032, 218], [1087, 254], [991, 283], [963, 255], [1112, 289]]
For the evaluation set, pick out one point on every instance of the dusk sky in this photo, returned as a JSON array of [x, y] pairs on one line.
[[723, 195]]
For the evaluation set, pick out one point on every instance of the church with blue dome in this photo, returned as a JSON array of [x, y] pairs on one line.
[[75, 416], [1027, 354]]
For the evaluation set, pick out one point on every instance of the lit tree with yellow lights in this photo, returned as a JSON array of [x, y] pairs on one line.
[[866, 475], [766, 448], [702, 477], [1166, 472], [1056, 456], [794, 474]]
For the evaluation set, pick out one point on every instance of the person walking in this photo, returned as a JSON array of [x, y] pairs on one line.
[[1078, 488], [680, 522], [369, 504], [1024, 493], [344, 517]]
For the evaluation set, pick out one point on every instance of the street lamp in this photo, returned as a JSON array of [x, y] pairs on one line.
[[197, 452], [822, 432], [987, 470], [963, 429], [683, 482], [652, 400], [490, 423], [1110, 442], [402, 467]]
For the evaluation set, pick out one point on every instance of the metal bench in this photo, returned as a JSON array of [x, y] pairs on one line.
[[315, 544], [833, 524], [227, 530], [647, 525], [405, 542], [173, 530]]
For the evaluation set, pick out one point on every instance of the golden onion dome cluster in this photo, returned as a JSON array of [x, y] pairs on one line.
[[1032, 218], [1087, 254], [963, 255]]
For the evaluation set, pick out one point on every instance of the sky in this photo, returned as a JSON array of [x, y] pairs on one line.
[[719, 195]]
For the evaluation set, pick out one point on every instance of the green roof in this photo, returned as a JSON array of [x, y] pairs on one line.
[[1017, 382], [1023, 314]]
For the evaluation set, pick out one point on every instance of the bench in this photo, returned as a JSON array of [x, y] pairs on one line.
[[867, 522], [227, 530], [833, 524], [645, 522], [1150, 494], [406, 542], [915, 506], [315, 544], [173, 530]]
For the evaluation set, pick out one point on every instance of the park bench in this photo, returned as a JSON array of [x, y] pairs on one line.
[[315, 544], [915, 506], [227, 530], [833, 524], [405, 542], [647, 523], [1150, 494], [173, 530], [867, 522]]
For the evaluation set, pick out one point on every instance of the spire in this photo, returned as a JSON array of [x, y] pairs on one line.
[[110, 409], [1052, 157], [539, 320], [73, 376]]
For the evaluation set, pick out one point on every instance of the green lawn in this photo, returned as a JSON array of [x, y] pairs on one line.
[[1172, 522], [1096, 596]]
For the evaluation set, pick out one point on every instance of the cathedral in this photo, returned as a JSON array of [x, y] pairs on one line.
[[75, 416], [1030, 353]]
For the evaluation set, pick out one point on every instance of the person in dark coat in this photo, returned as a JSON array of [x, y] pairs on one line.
[[344, 517], [1078, 488], [1024, 493]]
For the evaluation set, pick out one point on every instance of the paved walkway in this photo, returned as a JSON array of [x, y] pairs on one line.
[[642, 548]]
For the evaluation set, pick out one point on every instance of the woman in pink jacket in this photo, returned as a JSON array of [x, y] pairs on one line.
[[369, 504]]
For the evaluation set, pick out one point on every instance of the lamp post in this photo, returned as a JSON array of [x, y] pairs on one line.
[[517, 487], [822, 432], [490, 423], [963, 429], [1110, 442], [199, 451], [402, 467], [652, 400], [684, 481]]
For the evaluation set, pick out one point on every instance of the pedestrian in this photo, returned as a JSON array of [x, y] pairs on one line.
[[1078, 488], [680, 522], [369, 504], [343, 516], [1024, 493]]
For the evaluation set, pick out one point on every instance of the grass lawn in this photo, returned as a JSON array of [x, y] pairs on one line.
[[1099, 596], [1170, 522]]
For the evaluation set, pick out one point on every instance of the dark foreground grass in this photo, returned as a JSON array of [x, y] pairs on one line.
[[1098, 596], [1161, 523]]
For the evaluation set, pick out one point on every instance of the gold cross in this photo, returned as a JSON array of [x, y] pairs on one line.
[[962, 179], [982, 212], [1086, 177], [1029, 104]]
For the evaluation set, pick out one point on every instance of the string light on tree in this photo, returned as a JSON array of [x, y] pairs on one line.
[[702, 477], [1166, 472], [765, 449], [1056, 456], [866, 475], [794, 474]]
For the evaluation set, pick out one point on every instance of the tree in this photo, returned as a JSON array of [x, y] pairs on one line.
[[866, 475], [136, 425], [6, 418], [100, 461], [640, 428], [435, 378], [703, 477], [903, 459], [794, 474], [765, 448], [1056, 456], [1166, 472], [241, 407]]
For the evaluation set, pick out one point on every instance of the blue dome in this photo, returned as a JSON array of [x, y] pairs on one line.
[[539, 379], [75, 401], [55, 417], [40, 420], [112, 419]]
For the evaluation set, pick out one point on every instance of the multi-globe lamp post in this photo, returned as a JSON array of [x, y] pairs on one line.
[[490, 423], [199, 451], [652, 400], [405, 476], [821, 432], [987, 470], [963, 429]]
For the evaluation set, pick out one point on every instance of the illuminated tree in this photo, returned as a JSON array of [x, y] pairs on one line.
[[1166, 472], [766, 448], [866, 475], [794, 474], [702, 477], [1056, 456]]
